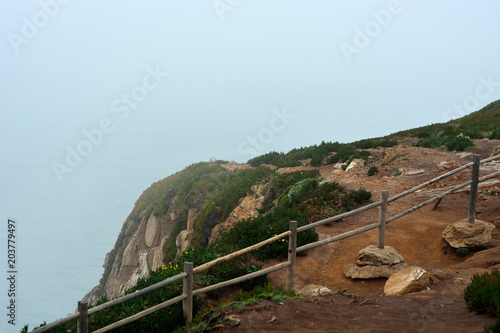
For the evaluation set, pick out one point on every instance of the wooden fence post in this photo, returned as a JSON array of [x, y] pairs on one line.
[[187, 289], [473, 190], [83, 320], [292, 255], [384, 195]]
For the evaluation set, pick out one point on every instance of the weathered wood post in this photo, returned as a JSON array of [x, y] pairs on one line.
[[384, 195], [292, 255], [82, 322], [187, 289], [473, 189]]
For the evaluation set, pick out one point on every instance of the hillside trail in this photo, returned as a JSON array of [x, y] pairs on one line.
[[358, 306]]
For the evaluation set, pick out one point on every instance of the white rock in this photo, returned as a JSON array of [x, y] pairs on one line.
[[407, 280]]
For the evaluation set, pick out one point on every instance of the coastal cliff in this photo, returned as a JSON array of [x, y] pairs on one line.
[[164, 223]]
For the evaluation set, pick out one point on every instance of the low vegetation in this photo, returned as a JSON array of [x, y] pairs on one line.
[[338, 152], [210, 317], [482, 295], [477, 125]]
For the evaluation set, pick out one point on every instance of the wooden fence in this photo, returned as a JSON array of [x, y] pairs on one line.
[[188, 292]]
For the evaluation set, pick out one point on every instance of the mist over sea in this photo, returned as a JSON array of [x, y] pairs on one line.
[[64, 229]]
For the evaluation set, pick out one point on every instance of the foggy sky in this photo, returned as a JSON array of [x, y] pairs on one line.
[[101, 96]]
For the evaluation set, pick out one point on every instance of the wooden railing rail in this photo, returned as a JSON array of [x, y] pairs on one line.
[[239, 253], [243, 278], [341, 216], [138, 293], [141, 314], [444, 175], [187, 275], [106, 305], [440, 196]]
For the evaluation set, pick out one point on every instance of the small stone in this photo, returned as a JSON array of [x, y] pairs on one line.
[[414, 172]]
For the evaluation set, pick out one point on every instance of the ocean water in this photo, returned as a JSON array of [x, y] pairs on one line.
[[64, 229]]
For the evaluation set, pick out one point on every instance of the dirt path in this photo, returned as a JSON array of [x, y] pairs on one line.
[[344, 313], [417, 237]]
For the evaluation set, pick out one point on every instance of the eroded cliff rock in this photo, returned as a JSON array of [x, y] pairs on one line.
[[137, 252], [139, 248], [247, 208]]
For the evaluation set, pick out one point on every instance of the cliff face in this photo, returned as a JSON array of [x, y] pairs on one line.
[[138, 249], [139, 252]]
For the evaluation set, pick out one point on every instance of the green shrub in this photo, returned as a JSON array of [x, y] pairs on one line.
[[372, 171], [374, 143], [343, 154], [422, 133], [495, 134], [317, 200], [459, 143], [365, 144], [364, 154], [431, 142], [474, 134], [223, 199], [450, 141], [360, 195], [317, 160], [482, 295], [387, 143], [279, 159], [495, 328], [298, 191], [270, 158], [279, 183], [169, 249], [462, 251], [254, 230]]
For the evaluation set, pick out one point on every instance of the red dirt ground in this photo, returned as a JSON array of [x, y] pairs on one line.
[[358, 306]]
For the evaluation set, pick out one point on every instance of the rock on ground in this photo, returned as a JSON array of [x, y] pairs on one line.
[[373, 262], [314, 290], [373, 272], [374, 256], [471, 235], [408, 280]]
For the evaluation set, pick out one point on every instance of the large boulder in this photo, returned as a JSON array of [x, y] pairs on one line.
[[373, 262], [407, 280], [471, 235]]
